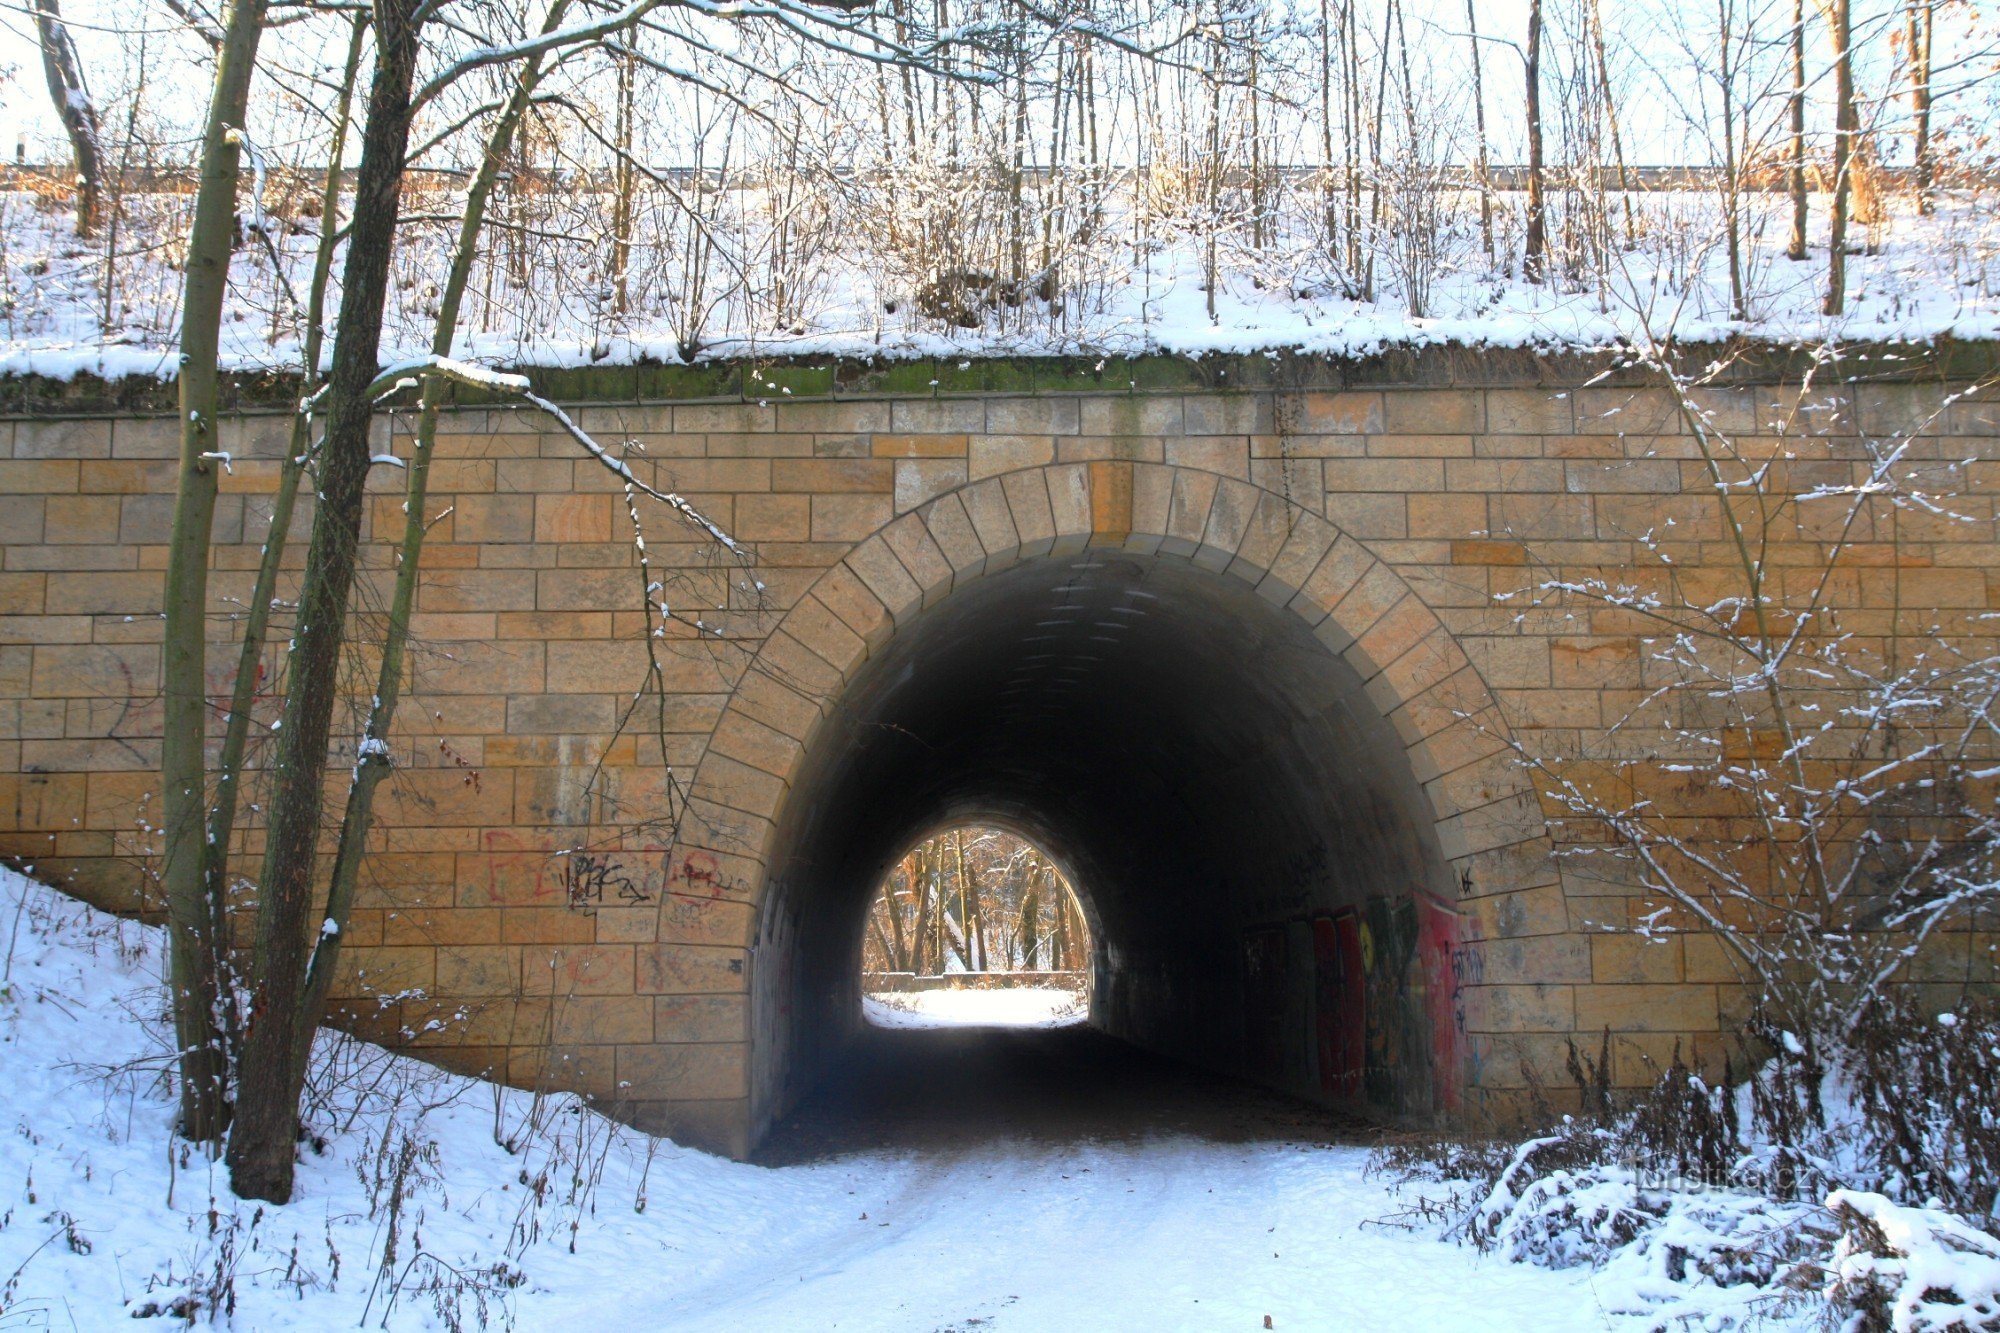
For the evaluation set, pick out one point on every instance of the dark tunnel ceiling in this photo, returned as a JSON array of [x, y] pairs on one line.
[[1196, 759]]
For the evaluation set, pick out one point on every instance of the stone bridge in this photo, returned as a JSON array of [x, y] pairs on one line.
[[1221, 636]]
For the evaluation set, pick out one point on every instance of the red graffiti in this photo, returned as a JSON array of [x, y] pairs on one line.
[[516, 871], [1342, 1003], [1441, 958]]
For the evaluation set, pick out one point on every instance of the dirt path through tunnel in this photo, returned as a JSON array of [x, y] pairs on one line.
[[949, 1091]]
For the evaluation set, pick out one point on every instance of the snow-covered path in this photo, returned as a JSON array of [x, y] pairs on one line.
[[1164, 1234], [1042, 1223]]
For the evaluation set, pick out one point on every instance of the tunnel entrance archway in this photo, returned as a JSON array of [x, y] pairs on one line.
[[1198, 723]]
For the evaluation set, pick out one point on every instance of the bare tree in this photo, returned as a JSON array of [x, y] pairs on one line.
[[1535, 246], [1846, 131], [1917, 39], [196, 909], [1795, 102], [74, 108]]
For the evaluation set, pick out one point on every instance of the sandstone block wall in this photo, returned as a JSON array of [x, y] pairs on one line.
[[624, 973]]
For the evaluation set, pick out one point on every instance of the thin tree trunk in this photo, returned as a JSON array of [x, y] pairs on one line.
[[623, 185], [198, 938], [1536, 243], [1921, 13], [1796, 169], [898, 943], [1479, 125], [373, 762], [1611, 117], [117, 210], [1845, 126], [261, 1148], [1213, 203], [256, 621], [1731, 192], [74, 108]]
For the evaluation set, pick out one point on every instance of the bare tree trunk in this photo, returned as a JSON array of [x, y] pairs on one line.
[[921, 930], [1534, 248], [373, 761], [1920, 15], [74, 108], [1796, 168], [623, 184], [257, 617], [971, 919], [1611, 116], [897, 943], [1845, 126], [261, 1148], [1479, 126], [195, 915], [1732, 197]]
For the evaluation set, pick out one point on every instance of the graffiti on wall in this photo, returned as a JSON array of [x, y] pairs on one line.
[[525, 872], [1386, 1003]]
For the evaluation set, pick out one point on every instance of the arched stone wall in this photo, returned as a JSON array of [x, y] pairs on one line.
[[1482, 810]]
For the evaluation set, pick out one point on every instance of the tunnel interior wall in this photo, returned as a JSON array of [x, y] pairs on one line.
[[1259, 862]]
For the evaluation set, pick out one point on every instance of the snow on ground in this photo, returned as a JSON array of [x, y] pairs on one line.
[[1141, 288], [1019, 1007], [585, 1223]]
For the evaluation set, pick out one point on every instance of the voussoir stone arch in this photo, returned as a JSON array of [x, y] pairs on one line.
[[1488, 818]]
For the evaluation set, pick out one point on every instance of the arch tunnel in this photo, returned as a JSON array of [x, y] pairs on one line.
[[1258, 863]]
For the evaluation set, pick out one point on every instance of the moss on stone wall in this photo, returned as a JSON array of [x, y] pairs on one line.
[[810, 378]]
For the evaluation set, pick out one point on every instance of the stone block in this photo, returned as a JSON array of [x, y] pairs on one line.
[[82, 519], [920, 556], [773, 518], [918, 481], [1453, 517], [691, 969], [951, 528], [1383, 516], [574, 518], [860, 610], [1433, 411], [1646, 1008], [991, 455], [834, 418], [1133, 414], [1228, 521], [703, 1070], [1382, 474], [147, 437], [563, 971], [938, 416], [824, 476], [1622, 959], [1228, 455], [700, 1018], [1529, 412], [848, 518], [1034, 416], [1228, 414], [57, 476], [61, 438], [1028, 502], [724, 418], [884, 575], [1330, 413], [918, 446]]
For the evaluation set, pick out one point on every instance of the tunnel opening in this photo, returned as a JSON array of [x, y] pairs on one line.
[[975, 926], [1266, 893]]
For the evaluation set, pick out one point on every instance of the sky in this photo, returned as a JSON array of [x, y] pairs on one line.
[[1648, 42]]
